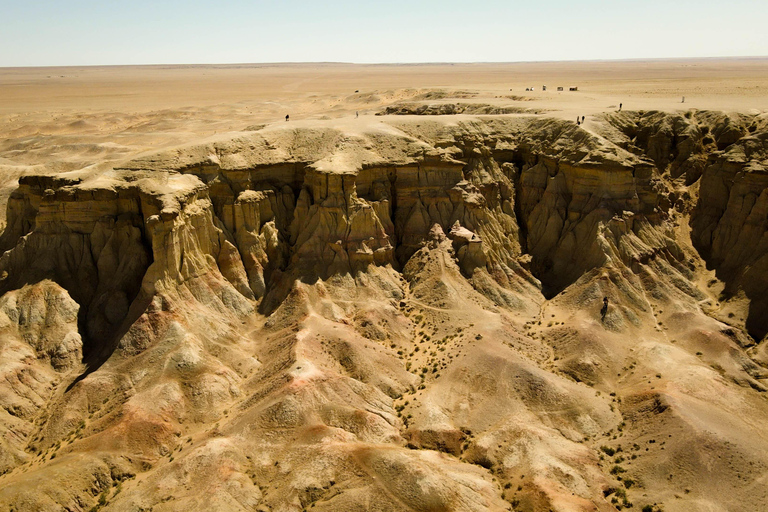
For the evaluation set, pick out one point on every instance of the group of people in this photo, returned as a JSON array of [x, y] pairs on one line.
[[580, 119]]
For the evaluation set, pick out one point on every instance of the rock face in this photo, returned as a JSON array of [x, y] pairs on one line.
[[372, 202], [40, 344], [447, 109], [88, 241], [730, 223], [404, 316]]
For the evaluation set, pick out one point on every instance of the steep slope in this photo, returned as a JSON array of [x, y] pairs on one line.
[[398, 315]]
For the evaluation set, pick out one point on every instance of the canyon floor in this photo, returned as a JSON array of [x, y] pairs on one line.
[[430, 290]]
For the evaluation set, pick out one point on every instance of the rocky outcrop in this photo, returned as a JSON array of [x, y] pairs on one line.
[[423, 286], [721, 158], [44, 317], [730, 224], [118, 244], [280, 205], [447, 109], [364, 200], [39, 345], [674, 142], [468, 247], [87, 240]]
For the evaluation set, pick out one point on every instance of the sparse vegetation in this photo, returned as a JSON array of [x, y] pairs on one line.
[[617, 470]]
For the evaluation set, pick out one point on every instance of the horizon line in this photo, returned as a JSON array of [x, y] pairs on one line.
[[424, 63]]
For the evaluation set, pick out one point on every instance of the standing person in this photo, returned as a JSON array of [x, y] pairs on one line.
[[357, 114], [582, 119], [619, 107], [577, 120], [683, 100], [286, 117]]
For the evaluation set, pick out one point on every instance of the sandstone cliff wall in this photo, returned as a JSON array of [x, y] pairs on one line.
[[410, 259]]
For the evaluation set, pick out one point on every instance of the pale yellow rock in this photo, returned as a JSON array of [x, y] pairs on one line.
[[399, 314]]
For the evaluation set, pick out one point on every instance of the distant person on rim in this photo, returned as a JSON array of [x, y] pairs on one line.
[[620, 107], [604, 310], [286, 117]]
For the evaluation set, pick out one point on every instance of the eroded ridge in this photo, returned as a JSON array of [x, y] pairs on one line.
[[400, 316]]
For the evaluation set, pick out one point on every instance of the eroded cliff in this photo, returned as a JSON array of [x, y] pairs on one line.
[[396, 315]]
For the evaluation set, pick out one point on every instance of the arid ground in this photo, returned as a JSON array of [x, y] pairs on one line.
[[430, 289]]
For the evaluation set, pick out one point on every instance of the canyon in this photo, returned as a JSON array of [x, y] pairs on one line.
[[394, 312]]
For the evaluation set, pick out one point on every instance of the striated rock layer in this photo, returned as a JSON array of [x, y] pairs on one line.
[[400, 315]]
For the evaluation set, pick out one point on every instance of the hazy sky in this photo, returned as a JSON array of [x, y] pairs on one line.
[[82, 32]]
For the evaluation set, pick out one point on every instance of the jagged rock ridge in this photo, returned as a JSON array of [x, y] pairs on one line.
[[404, 272]]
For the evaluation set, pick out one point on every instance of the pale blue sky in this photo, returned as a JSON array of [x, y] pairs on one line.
[[88, 32]]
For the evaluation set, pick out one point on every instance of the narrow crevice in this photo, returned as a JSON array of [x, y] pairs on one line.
[[393, 202], [522, 225]]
